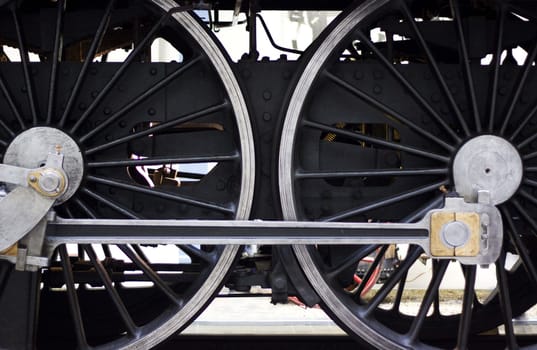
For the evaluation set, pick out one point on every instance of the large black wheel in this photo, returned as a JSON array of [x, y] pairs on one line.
[[399, 104], [143, 137]]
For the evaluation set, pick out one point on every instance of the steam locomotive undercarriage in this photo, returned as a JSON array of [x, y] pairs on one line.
[[133, 186]]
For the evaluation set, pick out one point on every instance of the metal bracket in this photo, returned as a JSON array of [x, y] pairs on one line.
[[27, 254]]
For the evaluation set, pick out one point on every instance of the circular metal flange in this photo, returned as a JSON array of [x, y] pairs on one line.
[[488, 163], [31, 148], [455, 234]]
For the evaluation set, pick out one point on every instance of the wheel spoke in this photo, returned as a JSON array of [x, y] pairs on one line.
[[56, 58], [525, 215], [528, 197], [195, 252], [505, 302], [432, 291], [522, 126], [519, 87], [137, 100], [467, 308], [400, 291], [161, 160], [466, 63], [160, 127], [151, 274], [324, 174], [11, 103], [436, 70], [85, 208], [161, 194], [351, 260], [377, 141], [435, 203], [365, 280], [413, 254], [391, 67], [97, 39], [74, 305], [121, 70], [4, 126], [520, 247], [389, 111], [25, 64], [385, 201], [529, 156], [497, 63], [138, 250], [111, 204], [132, 329]]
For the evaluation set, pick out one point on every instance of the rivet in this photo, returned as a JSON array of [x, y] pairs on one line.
[[122, 124], [435, 98], [82, 106], [267, 95], [107, 111], [246, 74], [153, 71], [151, 111], [267, 117], [377, 89], [358, 75]]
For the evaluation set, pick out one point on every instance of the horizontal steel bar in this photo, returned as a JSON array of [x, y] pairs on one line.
[[232, 232]]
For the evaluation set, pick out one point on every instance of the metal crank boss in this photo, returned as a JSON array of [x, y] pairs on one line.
[[33, 192]]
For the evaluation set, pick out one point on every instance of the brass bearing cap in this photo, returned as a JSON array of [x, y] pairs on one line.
[[48, 182], [455, 234]]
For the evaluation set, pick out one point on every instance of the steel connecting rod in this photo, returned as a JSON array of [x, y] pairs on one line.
[[469, 232]]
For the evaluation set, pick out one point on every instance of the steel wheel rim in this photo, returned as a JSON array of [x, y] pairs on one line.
[[166, 325], [287, 159]]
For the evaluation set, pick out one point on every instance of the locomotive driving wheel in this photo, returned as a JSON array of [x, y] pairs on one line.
[[399, 105], [138, 135]]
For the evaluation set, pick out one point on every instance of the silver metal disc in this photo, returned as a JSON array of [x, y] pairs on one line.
[[31, 148], [487, 163]]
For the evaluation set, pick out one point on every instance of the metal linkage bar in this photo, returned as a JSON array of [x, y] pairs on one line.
[[469, 232], [232, 232]]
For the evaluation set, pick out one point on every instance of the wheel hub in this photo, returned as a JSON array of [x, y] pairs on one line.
[[31, 148], [488, 163]]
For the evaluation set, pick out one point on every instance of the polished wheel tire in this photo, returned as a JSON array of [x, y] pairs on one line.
[[399, 104], [149, 136]]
